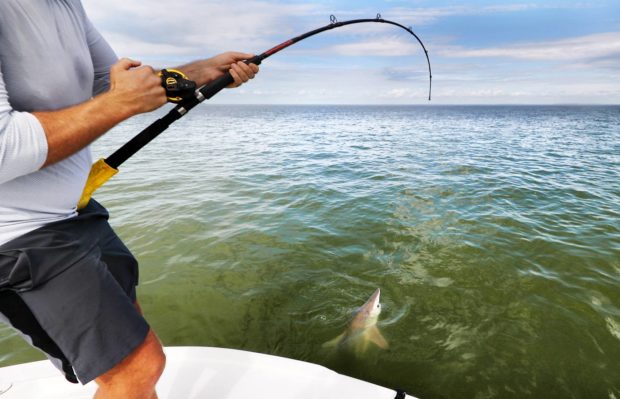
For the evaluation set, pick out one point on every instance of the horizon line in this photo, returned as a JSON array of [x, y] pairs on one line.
[[431, 105]]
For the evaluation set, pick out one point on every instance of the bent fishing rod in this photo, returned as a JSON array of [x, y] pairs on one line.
[[182, 91]]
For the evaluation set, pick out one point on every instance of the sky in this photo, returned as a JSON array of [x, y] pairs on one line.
[[481, 52]]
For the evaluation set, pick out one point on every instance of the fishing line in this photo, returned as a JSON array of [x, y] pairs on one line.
[[104, 169]]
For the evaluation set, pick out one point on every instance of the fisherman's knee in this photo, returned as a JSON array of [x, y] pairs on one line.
[[140, 371], [152, 361]]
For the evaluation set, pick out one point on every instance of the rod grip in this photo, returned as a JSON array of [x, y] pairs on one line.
[[100, 173], [215, 86]]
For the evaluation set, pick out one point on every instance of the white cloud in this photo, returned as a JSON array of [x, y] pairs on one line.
[[588, 47], [420, 16], [402, 93], [197, 27], [383, 46], [127, 46]]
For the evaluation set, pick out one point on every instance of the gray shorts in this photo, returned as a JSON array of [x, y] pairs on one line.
[[70, 288]]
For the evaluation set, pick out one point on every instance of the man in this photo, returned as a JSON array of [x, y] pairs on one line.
[[67, 282]]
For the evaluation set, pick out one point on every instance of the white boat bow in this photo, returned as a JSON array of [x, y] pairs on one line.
[[204, 372]]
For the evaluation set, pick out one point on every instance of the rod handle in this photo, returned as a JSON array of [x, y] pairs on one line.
[[100, 173]]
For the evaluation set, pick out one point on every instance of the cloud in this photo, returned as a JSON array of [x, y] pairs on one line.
[[383, 46], [421, 16], [197, 27], [405, 73], [590, 47], [579, 69], [402, 93]]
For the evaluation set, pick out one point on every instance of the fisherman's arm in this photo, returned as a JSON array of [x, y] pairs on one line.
[[102, 56], [204, 71], [133, 90]]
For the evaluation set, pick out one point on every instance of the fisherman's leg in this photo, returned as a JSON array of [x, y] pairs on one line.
[[136, 376], [91, 319]]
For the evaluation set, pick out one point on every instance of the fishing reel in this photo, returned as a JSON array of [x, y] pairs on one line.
[[178, 86]]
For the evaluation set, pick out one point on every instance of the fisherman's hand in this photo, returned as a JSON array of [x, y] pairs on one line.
[[242, 73], [136, 88], [205, 71], [233, 62]]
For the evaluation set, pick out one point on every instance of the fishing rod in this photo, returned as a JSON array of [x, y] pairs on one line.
[[176, 83]]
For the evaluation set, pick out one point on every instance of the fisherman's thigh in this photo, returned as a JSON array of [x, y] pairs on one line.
[[89, 315], [119, 260]]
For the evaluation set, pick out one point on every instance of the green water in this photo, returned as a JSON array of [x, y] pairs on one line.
[[493, 233]]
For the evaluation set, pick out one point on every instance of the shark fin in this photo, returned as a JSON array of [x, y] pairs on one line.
[[334, 342], [374, 335]]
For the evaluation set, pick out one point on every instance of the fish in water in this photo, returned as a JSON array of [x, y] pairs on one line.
[[363, 328]]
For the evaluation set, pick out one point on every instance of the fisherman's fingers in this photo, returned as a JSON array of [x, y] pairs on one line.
[[242, 73], [243, 70]]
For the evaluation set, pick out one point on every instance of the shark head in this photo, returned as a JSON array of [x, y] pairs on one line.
[[368, 314]]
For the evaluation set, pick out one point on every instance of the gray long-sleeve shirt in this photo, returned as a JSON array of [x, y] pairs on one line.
[[51, 57]]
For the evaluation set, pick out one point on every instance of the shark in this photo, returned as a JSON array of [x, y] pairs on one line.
[[363, 329]]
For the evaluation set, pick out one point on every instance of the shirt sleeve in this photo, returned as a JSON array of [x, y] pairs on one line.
[[102, 55], [23, 144]]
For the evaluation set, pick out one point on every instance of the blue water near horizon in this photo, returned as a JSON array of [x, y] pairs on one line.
[[492, 231]]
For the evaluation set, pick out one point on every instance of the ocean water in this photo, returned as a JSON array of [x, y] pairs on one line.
[[493, 233]]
